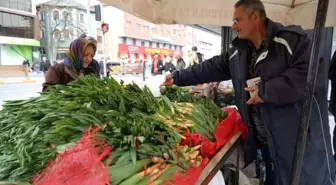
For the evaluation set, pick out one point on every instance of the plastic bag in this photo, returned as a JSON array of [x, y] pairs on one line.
[[78, 165]]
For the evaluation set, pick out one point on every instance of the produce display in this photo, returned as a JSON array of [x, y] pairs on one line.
[[144, 132]]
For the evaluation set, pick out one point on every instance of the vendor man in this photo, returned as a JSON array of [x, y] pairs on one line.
[[279, 56]]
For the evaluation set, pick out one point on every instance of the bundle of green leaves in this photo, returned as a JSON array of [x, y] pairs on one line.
[[33, 131]]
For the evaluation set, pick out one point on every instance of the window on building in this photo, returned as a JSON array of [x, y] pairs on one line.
[[146, 28], [153, 44], [13, 25], [66, 34], [22, 5], [65, 15], [57, 34], [123, 40], [137, 26], [128, 24], [15, 20], [163, 32], [81, 18], [41, 15], [154, 30], [134, 41], [142, 43], [55, 15]]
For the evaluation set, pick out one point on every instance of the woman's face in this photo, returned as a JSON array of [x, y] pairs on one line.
[[88, 56]]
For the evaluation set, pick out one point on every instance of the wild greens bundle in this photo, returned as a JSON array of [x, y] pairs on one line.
[[138, 126]]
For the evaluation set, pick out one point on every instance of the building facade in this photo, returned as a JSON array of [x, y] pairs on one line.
[[209, 44], [132, 39], [61, 22], [19, 32]]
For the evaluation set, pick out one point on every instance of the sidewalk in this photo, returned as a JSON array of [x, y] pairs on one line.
[[33, 78]]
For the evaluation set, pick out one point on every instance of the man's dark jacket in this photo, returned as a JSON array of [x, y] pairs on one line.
[[283, 70]]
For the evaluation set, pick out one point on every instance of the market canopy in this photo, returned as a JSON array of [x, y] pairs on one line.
[[219, 12]]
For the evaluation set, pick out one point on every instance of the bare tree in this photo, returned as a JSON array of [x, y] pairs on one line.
[[60, 23]]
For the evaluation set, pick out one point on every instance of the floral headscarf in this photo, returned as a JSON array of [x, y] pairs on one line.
[[76, 52]]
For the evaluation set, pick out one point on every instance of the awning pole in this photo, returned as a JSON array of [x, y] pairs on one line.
[[321, 15]]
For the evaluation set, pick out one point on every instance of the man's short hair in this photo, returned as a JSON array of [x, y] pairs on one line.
[[194, 48], [253, 6]]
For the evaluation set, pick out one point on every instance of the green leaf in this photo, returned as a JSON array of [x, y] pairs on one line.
[[35, 132], [133, 153], [122, 107]]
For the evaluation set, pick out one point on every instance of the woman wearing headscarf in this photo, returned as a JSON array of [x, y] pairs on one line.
[[79, 56]]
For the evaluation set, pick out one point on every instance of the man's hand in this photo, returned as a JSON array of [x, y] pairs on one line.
[[169, 80], [255, 99]]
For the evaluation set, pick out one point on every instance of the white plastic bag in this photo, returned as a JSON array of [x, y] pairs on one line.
[[218, 179]]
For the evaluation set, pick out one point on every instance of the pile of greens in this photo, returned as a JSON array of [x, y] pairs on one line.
[[34, 131]]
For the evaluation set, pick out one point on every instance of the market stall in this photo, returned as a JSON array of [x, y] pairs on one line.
[[315, 14], [100, 131]]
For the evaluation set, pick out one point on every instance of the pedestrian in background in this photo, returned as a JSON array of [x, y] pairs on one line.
[[44, 66], [180, 64]]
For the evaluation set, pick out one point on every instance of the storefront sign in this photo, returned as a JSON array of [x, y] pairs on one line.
[[19, 41], [124, 48], [157, 50], [132, 49]]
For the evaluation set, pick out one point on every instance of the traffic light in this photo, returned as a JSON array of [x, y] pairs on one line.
[[105, 27]]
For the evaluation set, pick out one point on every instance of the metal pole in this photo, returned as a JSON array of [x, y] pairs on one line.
[[103, 40], [104, 52], [88, 16], [321, 14]]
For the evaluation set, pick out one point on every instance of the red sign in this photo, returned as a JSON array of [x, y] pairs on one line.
[[124, 48], [133, 49]]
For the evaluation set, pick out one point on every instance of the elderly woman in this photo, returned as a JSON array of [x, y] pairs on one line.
[[79, 57]]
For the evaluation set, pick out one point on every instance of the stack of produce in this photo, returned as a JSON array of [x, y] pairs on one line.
[[143, 131]]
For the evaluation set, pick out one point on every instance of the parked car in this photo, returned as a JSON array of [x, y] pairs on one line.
[[113, 67]]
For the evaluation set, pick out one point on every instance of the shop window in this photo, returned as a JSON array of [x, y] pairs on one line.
[[128, 24], [123, 41]]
